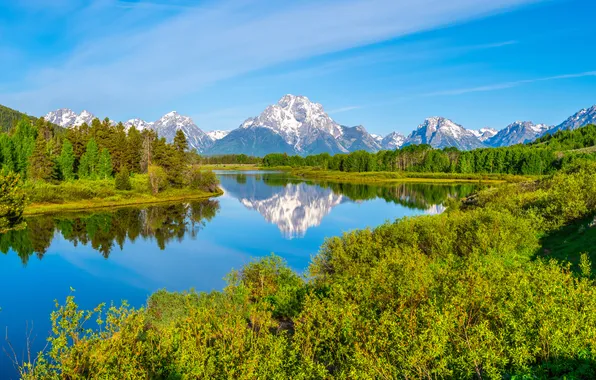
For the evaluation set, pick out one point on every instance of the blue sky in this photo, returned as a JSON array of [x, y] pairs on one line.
[[385, 64]]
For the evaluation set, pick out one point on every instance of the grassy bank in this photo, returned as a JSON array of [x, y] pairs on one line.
[[84, 195], [375, 177]]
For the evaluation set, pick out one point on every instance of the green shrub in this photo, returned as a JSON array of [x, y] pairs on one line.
[[204, 180], [12, 201], [158, 178]]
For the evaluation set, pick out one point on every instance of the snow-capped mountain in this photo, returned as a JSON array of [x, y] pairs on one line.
[[357, 138], [302, 125], [581, 118], [218, 134], [138, 124], [519, 132], [440, 132], [484, 134], [378, 138], [170, 123], [392, 141], [67, 118], [166, 126]]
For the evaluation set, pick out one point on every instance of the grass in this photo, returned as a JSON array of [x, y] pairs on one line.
[[372, 177], [85, 194], [569, 242]]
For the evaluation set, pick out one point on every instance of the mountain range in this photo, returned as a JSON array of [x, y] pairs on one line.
[[296, 125]]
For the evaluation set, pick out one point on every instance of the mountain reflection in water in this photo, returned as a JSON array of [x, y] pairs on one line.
[[295, 205]]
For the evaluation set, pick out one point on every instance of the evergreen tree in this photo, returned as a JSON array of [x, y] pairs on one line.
[[7, 154], [123, 180], [134, 147], [23, 142], [88, 167], [104, 167], [40, 162], [66, 161], [180, 143]]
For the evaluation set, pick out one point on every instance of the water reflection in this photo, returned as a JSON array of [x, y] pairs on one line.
[[295, 205], [106, 229]]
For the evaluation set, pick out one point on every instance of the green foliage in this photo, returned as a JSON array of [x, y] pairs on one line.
[[539, 158], [12, 202], [200, 179], [9, 118], [66, 161], [89, 164], [123, 180], [40, 162], [456, 295], [158, 178], [104, 165]]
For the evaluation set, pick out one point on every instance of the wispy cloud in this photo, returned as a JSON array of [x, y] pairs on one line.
[[506, 85], [143, 65], [343, 109]]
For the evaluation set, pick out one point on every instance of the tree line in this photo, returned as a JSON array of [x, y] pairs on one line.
[[41, 151], [542, 157]]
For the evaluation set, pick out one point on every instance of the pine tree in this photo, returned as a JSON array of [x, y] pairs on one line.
[[40, 162], [134, 147], [180, 143], [123, 180], [89, 161], [104, 167], [23, 142], [66, 161], [7, 154]]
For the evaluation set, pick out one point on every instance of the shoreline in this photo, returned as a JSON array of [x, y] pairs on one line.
[[99, 203]]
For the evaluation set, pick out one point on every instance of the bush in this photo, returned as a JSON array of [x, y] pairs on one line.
[[158, 178], [204, 180], [123, 180], [12, 202]]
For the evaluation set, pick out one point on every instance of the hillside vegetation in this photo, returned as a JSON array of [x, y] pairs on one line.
[[9, 118], [466, 294]]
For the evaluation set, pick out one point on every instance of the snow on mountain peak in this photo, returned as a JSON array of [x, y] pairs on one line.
[[581, 118], [297, 120], [394, 140], [217, 134], [484, 134], [67, 118]]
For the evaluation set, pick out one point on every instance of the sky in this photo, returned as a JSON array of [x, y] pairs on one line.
[[383, 64]]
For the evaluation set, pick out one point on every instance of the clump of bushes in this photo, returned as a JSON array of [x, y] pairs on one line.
[[158, 178], [12, 202], [204, 180]]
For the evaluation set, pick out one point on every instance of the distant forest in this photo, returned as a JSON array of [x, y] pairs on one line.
[[544, 156]]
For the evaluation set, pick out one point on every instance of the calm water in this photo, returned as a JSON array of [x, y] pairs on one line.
[[131, 252]]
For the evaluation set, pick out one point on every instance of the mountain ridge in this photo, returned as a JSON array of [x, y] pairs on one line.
[[297, 125]]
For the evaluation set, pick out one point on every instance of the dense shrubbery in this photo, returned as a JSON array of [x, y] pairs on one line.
[[457, 295], [536, 159], [200, 179], [12, 202]]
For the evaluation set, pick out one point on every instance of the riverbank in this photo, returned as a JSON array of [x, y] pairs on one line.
[[379, 177], [87, 195]]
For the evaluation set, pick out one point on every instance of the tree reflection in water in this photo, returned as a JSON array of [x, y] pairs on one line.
[[104, 229]]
